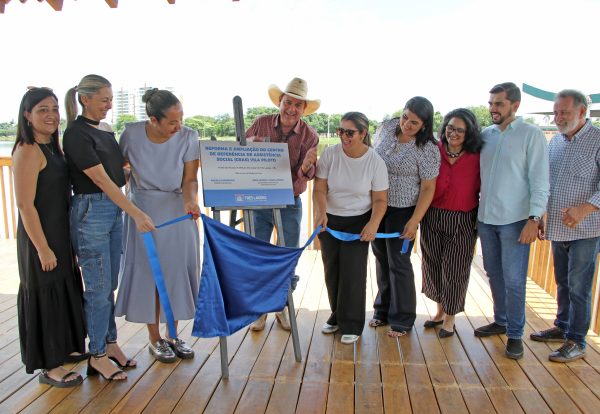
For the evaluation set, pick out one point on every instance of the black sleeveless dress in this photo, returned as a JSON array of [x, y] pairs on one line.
[[50, 309]]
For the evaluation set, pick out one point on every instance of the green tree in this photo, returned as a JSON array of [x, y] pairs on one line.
[[596, 122], [224, 126], [482, 113], [121, 121], [373, 126], [204, 125], [437, 122], [318, 121], [8, 129], [255, 112], [334, 123]]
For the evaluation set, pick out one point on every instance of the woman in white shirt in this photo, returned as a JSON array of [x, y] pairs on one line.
[[350, 195]]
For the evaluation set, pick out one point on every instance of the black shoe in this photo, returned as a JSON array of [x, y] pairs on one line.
[[554, 334], [446, 334], [489, 330], [432, 324], [514, 348], [570, 351]]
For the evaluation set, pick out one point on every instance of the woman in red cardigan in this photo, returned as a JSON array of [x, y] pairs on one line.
[[448, 232]]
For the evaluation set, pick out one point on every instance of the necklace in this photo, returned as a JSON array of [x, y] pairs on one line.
[[454, 154]]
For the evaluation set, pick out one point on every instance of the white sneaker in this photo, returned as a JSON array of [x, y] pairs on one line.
[[329, 329], [349, 339]]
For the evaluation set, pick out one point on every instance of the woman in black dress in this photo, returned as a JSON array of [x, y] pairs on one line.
[[50, 312]]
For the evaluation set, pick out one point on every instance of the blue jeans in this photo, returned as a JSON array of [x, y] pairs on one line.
[[291, 218], [96, 232], [574, 265], [505, 261]]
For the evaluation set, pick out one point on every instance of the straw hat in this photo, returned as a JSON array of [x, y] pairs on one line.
[[298, 89]]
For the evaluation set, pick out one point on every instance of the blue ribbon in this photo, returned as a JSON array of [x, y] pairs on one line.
[[159, 278], [343, 236], [158, 274]]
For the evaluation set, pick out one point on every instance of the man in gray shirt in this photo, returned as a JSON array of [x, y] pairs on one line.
[[573, 223]]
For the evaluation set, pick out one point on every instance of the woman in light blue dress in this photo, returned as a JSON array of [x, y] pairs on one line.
[[163, 158]]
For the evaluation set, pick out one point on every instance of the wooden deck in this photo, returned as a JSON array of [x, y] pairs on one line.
[[415, 373]]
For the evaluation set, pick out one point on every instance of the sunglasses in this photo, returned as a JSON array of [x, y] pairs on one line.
[[349, 132]]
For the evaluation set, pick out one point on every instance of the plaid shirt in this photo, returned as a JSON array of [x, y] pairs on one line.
[[574, 180], [301, 139]]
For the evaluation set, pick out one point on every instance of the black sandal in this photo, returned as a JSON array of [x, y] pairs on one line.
[[76, 357], [128, 364], [93, 371], [44, 378]]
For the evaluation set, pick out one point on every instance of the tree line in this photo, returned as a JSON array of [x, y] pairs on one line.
[[224, 125]]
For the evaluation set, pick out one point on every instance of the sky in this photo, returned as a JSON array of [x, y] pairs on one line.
[[364, 55]]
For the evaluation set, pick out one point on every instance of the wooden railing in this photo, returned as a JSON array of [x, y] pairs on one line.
[[9, 220], [541, 268]]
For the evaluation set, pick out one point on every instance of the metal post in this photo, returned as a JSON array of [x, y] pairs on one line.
[[222, 339], [224, 357], [290, 301]]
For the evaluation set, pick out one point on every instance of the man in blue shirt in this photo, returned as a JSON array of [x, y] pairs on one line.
[[514, 193], [573, 223]]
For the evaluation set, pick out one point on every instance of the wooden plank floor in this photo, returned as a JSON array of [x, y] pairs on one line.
[[415, 373]]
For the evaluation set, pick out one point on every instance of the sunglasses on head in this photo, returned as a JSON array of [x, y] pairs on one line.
[[36, 88], [349, 132]]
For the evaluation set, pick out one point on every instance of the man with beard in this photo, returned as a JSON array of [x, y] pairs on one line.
[[514, 193], [573, 223], [302, 139]]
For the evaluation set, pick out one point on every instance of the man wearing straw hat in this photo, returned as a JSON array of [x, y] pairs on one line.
[[302, 139]]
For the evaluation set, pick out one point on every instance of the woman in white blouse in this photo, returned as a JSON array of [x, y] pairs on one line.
[[350, 195]]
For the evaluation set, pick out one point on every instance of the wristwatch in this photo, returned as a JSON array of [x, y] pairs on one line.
[[535, 219]]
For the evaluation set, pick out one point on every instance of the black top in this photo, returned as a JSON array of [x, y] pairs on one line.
[[86, 147]]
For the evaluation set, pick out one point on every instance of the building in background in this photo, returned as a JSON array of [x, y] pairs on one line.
[[129, 102]]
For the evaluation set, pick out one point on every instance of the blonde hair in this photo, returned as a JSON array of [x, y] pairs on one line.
[[88, 86]]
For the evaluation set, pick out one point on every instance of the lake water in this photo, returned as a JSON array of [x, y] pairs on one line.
[[6, 148]]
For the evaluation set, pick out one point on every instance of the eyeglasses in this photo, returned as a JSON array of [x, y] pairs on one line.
[[349, 132], [459, 131]]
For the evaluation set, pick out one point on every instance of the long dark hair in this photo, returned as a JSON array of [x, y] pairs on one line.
[[24, 130], [361, 122], [422, 108], [473, 142]]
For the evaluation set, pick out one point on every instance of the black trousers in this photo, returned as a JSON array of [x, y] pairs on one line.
[[396, 300], [345, 265]]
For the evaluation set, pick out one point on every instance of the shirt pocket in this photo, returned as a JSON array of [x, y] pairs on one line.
[[584, 168]]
